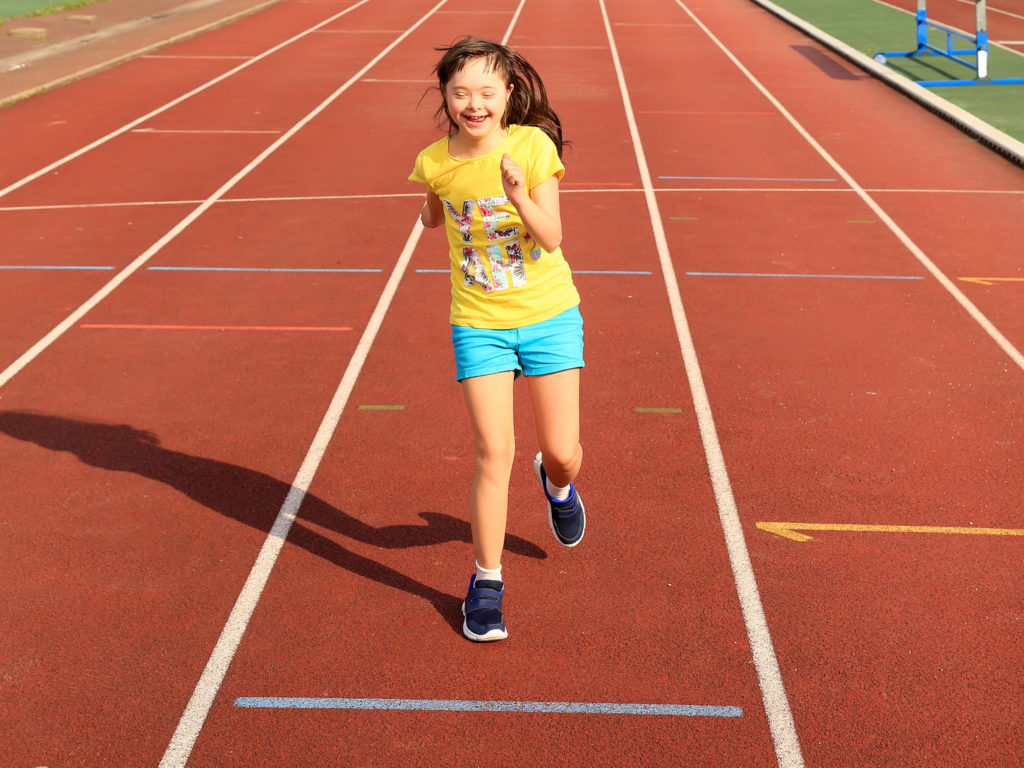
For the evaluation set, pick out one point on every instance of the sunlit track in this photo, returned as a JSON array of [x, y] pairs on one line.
[[13, 369], [198, 708], [236, 478], [958, 295], [169, 105], [773, 691], [597, 189]]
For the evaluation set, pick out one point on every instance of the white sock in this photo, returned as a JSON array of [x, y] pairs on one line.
[[556, 493], [487, 574]]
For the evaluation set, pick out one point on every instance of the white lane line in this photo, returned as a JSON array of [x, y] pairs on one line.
[[222, 201], [198, 708], [992, 9], [87, 206], [194, 57], [513, 22], [173, 103], [773, 692], [199, 131], [359, 31], [976, 314], [615, 190]]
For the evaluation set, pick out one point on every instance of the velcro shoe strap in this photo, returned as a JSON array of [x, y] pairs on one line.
[[567, 507], [482, 598]]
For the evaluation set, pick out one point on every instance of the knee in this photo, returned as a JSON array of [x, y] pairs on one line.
[[496, 453], [565, 459]]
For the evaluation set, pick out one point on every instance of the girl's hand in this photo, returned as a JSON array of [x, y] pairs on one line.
[[432, 213], [513, 179]]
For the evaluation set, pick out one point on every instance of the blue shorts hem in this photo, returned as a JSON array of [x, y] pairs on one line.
[[554, 369], [484, 370]]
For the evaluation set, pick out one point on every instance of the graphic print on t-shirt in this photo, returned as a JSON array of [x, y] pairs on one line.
[[502, 256]]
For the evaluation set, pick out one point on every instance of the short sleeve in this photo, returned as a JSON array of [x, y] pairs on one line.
[[417, 174], [546, 162]]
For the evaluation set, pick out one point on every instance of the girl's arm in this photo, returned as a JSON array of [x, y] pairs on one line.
[[432, 214], [538, 209]]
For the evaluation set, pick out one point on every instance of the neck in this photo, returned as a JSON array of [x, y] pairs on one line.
[[465, 147]]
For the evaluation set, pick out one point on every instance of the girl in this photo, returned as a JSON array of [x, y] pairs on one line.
[[493, 182]]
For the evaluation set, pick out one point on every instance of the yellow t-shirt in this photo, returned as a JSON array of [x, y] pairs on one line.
[[501, 278]]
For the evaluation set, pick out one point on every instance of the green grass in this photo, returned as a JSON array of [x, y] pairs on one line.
[[872, 28], [10, 9]]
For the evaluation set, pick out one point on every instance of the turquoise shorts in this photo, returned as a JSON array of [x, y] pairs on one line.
[[534, 350]]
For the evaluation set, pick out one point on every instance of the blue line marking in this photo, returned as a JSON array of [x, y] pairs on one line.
[[448, 705], [610, 271], [54, 267], [252, 269], [433, 271], [739, 178], [824, 277]]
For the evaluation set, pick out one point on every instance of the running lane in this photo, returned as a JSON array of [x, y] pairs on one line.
[[848, 384], [644, 612], [163, 456], [143, 466], [62, 120], [89, 218]]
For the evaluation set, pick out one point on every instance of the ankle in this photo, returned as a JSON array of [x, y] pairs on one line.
[[558, 493], [488, 574]]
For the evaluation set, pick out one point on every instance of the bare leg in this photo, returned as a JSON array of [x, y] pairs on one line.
[[489, 400], [556, 409]]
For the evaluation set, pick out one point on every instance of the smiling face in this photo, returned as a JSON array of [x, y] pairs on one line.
[[476, 97]]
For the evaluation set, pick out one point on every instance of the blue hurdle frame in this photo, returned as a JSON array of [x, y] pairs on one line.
[[979, 49]]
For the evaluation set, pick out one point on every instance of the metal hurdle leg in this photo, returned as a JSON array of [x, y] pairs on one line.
[[981, 38], [977, 41]]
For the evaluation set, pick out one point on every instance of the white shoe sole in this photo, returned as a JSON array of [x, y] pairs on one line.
[[537, 464], [488, 637]]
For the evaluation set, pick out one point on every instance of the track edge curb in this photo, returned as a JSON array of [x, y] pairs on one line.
[[987, 134], [121, 58]]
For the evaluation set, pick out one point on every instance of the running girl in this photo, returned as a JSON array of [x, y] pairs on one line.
[[493, 183]]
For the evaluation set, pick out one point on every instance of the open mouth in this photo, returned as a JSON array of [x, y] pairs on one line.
[[475, 119]]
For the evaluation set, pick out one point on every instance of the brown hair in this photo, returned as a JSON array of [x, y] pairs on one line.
[[528, 102]]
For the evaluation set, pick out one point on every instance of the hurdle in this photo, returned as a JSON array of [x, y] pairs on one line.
[[974, 58]]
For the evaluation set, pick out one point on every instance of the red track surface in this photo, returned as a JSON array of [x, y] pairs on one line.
[[143, 469]]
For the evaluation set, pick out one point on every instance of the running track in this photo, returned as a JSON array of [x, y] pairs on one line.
[[771, 249]]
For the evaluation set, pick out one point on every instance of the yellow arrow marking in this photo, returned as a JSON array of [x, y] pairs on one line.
[[992, 280], [792, 530]]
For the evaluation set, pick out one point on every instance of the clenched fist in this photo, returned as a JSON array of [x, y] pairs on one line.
[[513, 178]]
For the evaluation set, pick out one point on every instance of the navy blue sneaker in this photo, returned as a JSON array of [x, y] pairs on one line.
[[482, 610], [568, 518]]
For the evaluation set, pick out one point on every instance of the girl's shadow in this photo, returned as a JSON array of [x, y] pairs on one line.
[[253, 498]]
